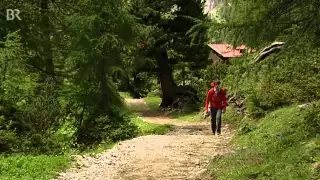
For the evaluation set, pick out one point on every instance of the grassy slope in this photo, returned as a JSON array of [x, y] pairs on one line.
[[42, 167], [275, 147]]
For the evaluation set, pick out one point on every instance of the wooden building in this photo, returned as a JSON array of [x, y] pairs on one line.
[[221, 53]]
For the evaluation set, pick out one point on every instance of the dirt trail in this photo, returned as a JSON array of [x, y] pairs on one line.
[[182, 154]]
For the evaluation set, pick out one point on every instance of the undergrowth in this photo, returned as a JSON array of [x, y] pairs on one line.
[[282, 145], [29, 167]]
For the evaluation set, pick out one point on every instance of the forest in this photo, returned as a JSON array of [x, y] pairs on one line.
[[67, 66]]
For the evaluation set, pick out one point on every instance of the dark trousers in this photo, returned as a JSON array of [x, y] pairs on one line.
[[216, 115]]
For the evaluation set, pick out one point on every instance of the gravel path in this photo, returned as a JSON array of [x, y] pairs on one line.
[[181, 154]]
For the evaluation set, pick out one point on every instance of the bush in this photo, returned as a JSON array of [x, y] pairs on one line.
[[155, 93], [273, 95], [41, 114], [126, 130], [7, 141], [231, 116], [141, 85], [107, 129], [254, 111], [312, 119], [28, 142], [40, 144], [156, 87], [245, 126]]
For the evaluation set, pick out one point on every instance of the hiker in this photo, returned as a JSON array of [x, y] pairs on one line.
[[218, 104]]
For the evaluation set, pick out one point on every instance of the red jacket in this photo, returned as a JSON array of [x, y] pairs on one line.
[[217, 101]]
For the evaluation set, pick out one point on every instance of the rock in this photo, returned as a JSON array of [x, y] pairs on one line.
[[197, 163], [62, 174], [305, 106], [76, 157], [316, 165], [199, 173], [85, 165], [78, 165]]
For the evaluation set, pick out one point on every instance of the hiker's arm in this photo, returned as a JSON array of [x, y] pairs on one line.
[[208, 100]]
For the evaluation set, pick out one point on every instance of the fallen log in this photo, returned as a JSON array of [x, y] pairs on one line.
[[274, 47]]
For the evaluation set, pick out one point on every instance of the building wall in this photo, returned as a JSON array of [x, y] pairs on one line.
[[215, 58]]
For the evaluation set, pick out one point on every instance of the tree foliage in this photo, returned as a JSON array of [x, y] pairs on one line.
[[286, 77], [58, 70], [168, 43]]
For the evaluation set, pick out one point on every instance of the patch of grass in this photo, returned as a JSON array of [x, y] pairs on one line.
[[125, 95], [146, 128], [229, 117], [278, 146], [28, 167], [92, 151], [104, 146], [153, 102], [242, 165], [41, 167], [137, 107], [185, 116]]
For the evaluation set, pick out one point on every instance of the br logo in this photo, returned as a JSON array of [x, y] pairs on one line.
[[12, 14]]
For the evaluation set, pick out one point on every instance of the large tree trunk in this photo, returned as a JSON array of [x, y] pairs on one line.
[[166, 79], [47, 49], [171, 93], [136, 86]]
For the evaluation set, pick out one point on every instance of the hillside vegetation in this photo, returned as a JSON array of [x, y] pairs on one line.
[[276, 139]]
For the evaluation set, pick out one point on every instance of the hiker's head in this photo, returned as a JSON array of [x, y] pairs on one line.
[[217, 84]]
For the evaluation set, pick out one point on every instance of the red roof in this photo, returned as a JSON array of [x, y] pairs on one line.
[[227, 50]]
